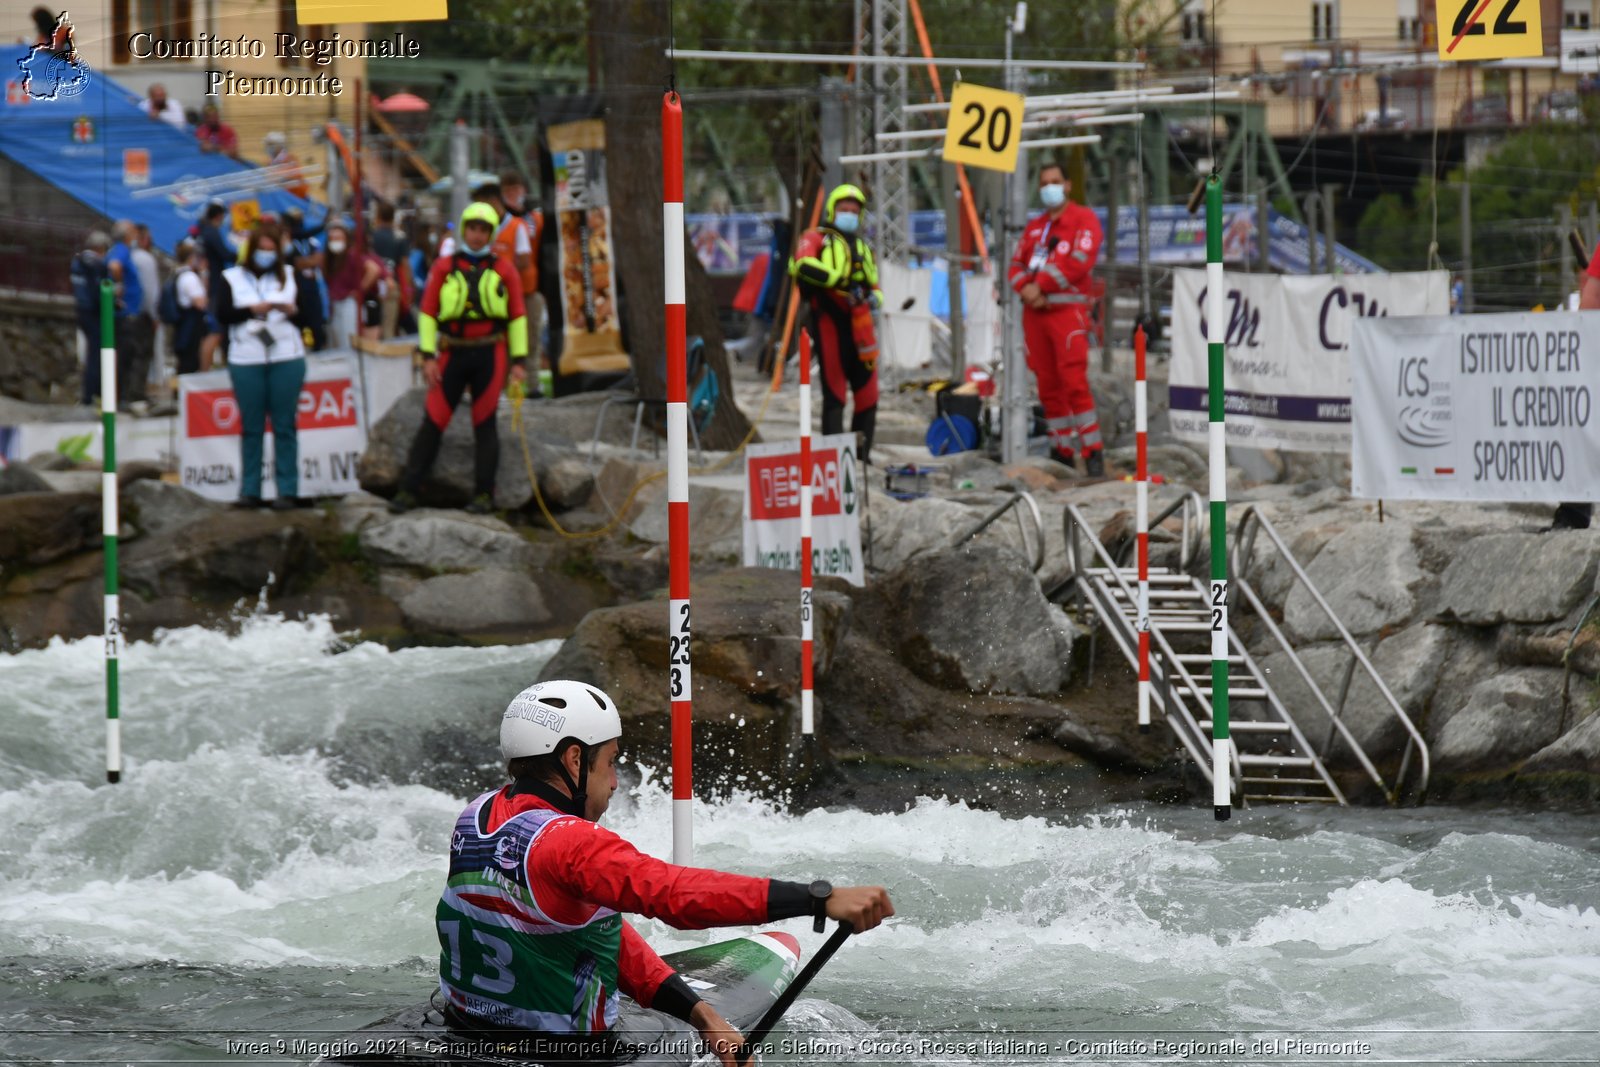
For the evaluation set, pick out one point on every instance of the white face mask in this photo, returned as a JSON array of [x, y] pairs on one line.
[[336, 247]]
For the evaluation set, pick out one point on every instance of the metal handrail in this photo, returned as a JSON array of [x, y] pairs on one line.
[[1250, 521], [1021, 496], [1075, 522]]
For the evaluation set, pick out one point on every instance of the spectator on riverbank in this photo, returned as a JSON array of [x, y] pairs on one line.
[[88, 271], [135, 330], [194, 302], [158, 105], [215, 135]]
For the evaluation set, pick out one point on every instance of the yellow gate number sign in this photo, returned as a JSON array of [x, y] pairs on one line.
[[985, 128], [323, 12], [1489, 29]]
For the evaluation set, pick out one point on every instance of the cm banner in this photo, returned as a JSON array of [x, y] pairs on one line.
[[1287, 379], [1476, 407], [329, 430], [772, 487]]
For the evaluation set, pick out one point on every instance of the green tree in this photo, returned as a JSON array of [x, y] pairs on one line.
[[1516, 196]]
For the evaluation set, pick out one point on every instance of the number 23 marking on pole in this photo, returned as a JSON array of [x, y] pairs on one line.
[[678, 652]]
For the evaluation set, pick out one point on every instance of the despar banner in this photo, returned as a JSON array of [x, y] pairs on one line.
[[593, 341], [772, 486], [1287, 383], [329, 426], [1477, 407]]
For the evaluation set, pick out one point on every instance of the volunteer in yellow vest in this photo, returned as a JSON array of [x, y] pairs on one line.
[[472, 318], [839, 279]]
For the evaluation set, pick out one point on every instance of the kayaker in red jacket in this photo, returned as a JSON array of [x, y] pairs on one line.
[[531, 933]]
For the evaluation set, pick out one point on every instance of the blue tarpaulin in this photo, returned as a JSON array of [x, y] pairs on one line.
[[96, 146]]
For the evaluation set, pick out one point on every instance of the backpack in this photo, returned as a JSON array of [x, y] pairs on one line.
[[167, 309]]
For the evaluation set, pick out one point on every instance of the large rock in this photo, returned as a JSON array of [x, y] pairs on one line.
[[975, 619], [1519, 577], [233, 554], [745, 668], [72, 481], [490, 601], [158, 508], [1472, 658], [449, 483], [1509, 717], [1367, 574], [21, 478], [444, 540], [1410, 664], [896, 531], [36, 528], [1576, 751], [716, 514]]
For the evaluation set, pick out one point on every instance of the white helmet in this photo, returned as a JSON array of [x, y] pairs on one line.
[[275, 139], [541, 715]]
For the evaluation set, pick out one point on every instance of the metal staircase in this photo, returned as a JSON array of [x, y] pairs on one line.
[[1273, 760]]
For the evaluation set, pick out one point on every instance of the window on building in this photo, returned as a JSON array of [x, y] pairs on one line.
[[1324, 20], [288, 22], [1194, 27], [1410, 21], [164, 20], [1576, 20]]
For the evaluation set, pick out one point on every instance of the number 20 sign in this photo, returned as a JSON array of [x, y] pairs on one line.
[[1489, 29], [985, 128]]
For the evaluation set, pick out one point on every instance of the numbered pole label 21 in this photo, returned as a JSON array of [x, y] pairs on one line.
[[1490, 29], [985, 128]]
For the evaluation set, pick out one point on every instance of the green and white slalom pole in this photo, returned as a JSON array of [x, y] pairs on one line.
[[1216, 335], [109, 524]]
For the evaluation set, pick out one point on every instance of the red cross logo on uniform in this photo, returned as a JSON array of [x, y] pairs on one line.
[[83, 130]]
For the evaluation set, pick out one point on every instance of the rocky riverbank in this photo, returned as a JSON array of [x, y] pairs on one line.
[[958, 666]]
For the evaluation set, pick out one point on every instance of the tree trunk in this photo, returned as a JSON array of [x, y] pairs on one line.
[[632, 36]]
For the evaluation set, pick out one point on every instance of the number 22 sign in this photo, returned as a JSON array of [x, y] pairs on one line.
[[1489, 29], [985, 128]]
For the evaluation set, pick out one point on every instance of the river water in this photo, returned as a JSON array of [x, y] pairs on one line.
[[268, 867]]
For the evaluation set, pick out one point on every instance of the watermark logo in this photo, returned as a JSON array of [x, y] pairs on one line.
[[53, 70]]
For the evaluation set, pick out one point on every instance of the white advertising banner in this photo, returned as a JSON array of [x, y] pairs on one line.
[[1287, 383], [772, 507], [1476, 407], [329, 431]]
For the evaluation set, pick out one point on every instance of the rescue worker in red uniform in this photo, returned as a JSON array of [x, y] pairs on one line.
[[835, 270], [531, 936], [1050, 271], [473, 304]]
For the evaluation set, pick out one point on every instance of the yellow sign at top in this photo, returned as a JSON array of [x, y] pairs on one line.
[[1489, 29], [985, 128], [323, 12]]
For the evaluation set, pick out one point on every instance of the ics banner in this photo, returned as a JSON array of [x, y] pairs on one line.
[[583, 232], [772, 487], [331, 438], [1287, 380], [1477, 407]]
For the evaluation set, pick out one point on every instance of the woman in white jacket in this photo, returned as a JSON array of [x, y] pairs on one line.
[[266, 361]]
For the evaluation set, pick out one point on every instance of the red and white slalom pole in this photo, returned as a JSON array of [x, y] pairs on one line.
[[1141, 520], [807, 722], [677, 481]]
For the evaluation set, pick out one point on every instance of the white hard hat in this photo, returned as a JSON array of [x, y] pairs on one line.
[[540, 716], [275, 137]]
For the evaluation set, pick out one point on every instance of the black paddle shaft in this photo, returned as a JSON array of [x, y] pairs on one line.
[[757, 1035]]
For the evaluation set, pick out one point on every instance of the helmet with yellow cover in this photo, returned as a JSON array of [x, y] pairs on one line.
[[839, 195]]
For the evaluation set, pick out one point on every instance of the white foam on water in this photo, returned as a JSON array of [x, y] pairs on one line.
[[234, 840]]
